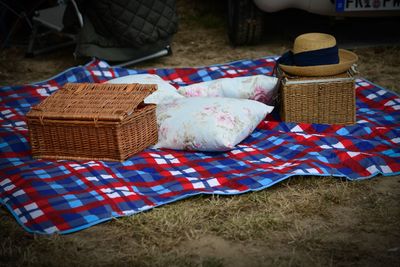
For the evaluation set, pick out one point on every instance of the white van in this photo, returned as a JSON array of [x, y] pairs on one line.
[[245, 17]]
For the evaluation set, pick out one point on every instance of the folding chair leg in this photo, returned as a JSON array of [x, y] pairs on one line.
[[164, 52], [31, 52], [32, 39]]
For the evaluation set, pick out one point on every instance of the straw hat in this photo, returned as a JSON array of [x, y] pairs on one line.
[[313, 43]]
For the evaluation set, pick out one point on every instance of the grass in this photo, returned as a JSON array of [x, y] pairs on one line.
[[207, 14]]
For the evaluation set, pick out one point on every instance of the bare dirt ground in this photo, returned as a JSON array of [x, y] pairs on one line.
[[305, 221]]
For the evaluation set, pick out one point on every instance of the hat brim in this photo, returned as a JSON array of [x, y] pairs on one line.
[[346, 60]]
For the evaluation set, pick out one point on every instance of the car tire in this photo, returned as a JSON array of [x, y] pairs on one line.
[[245, 22]]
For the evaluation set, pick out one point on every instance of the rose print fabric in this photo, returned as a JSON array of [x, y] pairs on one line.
[[207, 123], [258, 87]]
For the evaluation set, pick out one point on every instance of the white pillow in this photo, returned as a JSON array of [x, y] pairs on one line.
[[258, 87], [207, 123], [165, 91]]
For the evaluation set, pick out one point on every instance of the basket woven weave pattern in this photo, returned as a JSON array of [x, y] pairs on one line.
[[319, 102], [88, 101], [93, 122]]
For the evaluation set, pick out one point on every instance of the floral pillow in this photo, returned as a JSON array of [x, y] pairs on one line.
[[207, 123], [259, 87], [165, 91]]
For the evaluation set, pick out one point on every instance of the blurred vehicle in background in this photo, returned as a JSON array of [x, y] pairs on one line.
[[246, 17]]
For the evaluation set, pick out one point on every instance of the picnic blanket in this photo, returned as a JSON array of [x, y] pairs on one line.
[[63, 196]]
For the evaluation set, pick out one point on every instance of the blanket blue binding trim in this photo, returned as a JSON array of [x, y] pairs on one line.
[[190, 195], [325, 174]]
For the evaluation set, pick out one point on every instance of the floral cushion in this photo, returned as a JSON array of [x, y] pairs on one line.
[[207, 123], [165, 91], [258, 87]]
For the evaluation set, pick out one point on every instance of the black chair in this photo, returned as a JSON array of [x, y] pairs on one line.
[[50, 21]]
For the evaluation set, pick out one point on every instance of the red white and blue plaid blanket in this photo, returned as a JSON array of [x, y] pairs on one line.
[[66, 196]]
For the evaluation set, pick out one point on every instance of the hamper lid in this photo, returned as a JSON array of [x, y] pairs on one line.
[[91, 101]]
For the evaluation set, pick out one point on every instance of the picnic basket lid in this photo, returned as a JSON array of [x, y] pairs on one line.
[[91, 101]]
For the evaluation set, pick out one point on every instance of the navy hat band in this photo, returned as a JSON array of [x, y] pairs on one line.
[[325, 56]]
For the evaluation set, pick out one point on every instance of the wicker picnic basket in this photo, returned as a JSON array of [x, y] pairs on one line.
[[326, 100], [93, 122]]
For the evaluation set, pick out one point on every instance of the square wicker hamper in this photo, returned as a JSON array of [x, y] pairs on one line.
[[326, 100], [93, 122]]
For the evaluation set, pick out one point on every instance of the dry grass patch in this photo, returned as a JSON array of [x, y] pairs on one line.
[[381, 65]]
